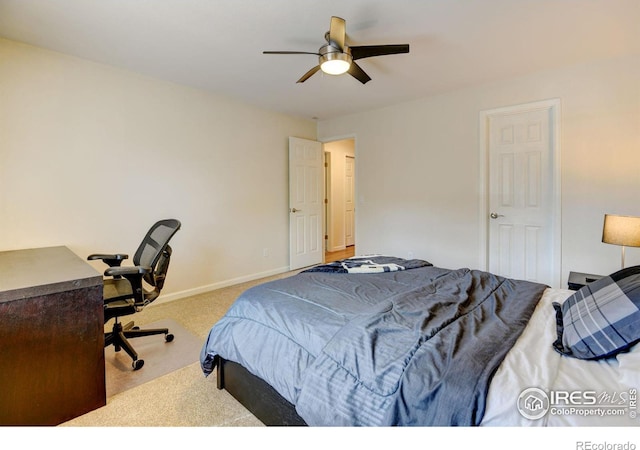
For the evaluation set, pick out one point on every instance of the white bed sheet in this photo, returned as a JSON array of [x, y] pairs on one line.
[[533, 363]]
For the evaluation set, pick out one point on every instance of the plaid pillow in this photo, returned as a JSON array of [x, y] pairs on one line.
[[601, 319]]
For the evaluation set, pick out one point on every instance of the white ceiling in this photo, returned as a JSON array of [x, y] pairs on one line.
[[217, 44]]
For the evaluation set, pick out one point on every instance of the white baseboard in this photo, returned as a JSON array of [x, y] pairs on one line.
[[212, 287]]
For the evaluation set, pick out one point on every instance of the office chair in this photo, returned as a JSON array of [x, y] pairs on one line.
[[128, 289]]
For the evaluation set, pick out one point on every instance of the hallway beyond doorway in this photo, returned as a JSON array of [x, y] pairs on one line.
[[340, 254]]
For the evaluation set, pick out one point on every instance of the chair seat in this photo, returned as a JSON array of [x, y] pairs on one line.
[[118, 299], [116, 288], [119, 308]]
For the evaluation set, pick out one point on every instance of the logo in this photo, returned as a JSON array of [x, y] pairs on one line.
[[533, 403]]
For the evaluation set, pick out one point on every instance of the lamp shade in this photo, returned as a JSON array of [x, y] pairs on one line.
[[621, 230]]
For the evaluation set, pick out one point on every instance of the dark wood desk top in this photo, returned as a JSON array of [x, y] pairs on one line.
[[51, 337], [42, 271]]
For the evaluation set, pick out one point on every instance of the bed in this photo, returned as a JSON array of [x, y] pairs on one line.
[[382, 341]]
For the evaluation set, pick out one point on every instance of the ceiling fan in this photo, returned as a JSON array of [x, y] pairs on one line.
[[336, 57]]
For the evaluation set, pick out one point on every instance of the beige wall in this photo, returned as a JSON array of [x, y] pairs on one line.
[[417, 178], [91, 156]]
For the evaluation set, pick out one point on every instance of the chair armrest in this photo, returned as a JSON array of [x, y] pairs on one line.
[[111, 259], [126, 270]]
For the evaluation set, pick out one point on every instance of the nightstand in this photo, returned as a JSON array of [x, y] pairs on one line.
[[578, 280]]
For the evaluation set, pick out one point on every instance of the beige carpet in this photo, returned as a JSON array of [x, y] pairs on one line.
[[160, 357], [182, 397]]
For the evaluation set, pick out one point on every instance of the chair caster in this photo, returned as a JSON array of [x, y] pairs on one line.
[[168, 337], [137, 364]]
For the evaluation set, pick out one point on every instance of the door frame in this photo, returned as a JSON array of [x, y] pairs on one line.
[[554, 106], [352, 222], [327, 219]]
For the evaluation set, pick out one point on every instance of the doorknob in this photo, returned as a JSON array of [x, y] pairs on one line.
[[293, 210], [495, 216]]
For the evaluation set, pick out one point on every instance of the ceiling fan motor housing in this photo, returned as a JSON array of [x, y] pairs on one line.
[[334, 61]]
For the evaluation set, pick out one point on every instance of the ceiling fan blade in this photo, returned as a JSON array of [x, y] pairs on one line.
[[337, 32], [357, 72], [289, 53], [367, 51], [307, 75]]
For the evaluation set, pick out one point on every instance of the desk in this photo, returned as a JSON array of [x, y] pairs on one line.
[[51, 337]]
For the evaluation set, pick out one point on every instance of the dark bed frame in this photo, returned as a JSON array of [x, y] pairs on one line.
[[256, 395]]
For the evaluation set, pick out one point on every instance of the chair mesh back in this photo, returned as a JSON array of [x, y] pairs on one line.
[[154, 244]]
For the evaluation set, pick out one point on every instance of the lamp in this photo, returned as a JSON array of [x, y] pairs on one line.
[[621, 230], [334, 62]]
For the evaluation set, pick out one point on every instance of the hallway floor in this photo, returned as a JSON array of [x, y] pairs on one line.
[[340, 254]]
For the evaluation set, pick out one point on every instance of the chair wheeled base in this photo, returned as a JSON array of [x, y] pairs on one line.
[[119, 338]]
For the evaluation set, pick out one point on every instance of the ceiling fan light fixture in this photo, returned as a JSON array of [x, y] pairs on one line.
[[335, 63], [337, 57]]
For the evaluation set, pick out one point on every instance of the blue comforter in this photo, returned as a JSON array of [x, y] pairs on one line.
[[411, 347]]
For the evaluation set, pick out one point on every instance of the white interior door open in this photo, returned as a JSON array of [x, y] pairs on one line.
[[522, 219], [306, 194]]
